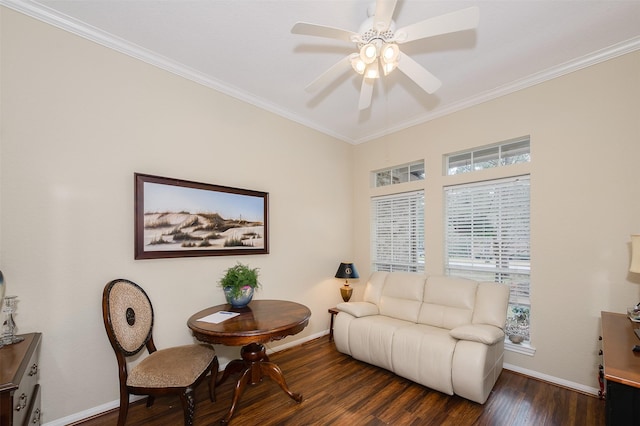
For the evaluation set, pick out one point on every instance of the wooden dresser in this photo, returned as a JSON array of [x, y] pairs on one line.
[[19, 388], [621, 369]]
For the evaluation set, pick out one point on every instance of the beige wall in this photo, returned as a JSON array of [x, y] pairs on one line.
[[77, 121], [585, 200]]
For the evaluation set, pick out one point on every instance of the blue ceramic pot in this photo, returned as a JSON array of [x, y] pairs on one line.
[[246, 294]]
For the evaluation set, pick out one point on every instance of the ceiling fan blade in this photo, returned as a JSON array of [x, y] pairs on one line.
[[423, 78], [331, 74], [316, 30], [464, 19], [383, 14], [366, 93]]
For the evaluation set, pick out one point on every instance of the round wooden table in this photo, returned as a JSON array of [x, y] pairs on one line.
[[260, 322]]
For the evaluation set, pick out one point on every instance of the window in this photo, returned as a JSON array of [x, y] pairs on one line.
[[487, 239], [399, 174], [397, 232], [504, 154]]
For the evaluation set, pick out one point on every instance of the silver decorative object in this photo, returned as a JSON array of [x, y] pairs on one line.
[[8, 325]]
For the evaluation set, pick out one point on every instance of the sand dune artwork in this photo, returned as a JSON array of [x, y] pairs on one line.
[[177, 218]]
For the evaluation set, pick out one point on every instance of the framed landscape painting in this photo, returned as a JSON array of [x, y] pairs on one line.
[[179, 218]]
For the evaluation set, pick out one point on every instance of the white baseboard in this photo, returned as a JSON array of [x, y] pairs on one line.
[[551, 379], [114, 404]]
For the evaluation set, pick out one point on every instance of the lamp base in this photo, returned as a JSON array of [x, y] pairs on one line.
[[346, 292]]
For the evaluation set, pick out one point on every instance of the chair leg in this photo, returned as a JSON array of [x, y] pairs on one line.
[[150, 400], [124, 407], [212, 379], [188, 405]]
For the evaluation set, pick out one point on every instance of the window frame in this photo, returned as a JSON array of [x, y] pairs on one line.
[[489, 156], [507, 233], [408, 172], [397, 243]]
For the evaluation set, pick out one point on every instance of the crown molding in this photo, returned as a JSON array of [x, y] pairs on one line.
[[594, 58], [74, 26], [67, 23]]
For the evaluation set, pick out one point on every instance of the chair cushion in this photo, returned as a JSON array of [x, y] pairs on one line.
[[173, 367]]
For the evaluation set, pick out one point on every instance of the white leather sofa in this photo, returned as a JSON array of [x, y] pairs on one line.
[[445, 333]]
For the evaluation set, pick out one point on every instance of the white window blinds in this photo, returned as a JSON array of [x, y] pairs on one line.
[[397, 232], [487, 234]]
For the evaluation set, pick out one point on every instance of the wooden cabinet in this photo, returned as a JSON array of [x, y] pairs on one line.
[[621, 369], [19, 388]]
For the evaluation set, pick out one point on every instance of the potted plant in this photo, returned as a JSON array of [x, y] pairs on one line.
[[239, 283], [517, 327]]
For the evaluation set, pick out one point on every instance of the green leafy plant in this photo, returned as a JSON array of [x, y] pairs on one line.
[[238, 277]]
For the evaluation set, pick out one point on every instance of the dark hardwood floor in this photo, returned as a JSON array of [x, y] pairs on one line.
[[339, 390]]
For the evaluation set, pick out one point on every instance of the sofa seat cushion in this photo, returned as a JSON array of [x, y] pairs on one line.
[[424, 354], [371, 337]]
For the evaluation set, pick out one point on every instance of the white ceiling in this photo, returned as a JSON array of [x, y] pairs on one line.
[[244, 48]]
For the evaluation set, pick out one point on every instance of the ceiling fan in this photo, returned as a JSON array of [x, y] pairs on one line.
[[377, 43]]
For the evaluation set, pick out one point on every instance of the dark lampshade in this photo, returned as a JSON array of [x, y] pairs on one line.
[[346, 271]]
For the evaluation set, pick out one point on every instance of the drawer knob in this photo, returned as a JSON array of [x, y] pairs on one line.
[[36, 417], [34, 370], [22, 402]]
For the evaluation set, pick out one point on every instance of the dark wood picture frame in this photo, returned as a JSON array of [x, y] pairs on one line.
[[180, 218]]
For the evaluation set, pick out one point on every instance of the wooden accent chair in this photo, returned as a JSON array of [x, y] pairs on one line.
[[128, 320]]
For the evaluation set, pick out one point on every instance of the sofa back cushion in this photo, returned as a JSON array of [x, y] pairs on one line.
[[492, 301], [448, 302], [373, 289], [402, 295]]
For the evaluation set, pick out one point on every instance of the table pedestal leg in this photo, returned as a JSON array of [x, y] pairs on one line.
[[254, 365]]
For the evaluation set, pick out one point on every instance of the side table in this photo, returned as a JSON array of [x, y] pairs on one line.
[[260, 322], [333, 312], [621, 369]]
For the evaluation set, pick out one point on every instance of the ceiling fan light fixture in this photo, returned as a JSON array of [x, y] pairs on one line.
[[377, 52], [388, 67], [389, 57], [358, 64], [389, 53], [372, 71], [368, 53]]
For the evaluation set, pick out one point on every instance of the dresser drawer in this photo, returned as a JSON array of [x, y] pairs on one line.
[[23, 396], [19, 389], [33, 415]]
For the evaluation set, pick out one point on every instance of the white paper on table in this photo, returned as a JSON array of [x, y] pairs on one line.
[[218, 317]]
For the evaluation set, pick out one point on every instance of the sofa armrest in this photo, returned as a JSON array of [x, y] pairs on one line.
[[481, 333], [358, 309]]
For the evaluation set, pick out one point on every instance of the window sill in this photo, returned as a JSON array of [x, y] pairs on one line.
[[523, 348]]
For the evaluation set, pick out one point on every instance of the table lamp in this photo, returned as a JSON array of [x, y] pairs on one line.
[[346, 271], [635, 254]]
